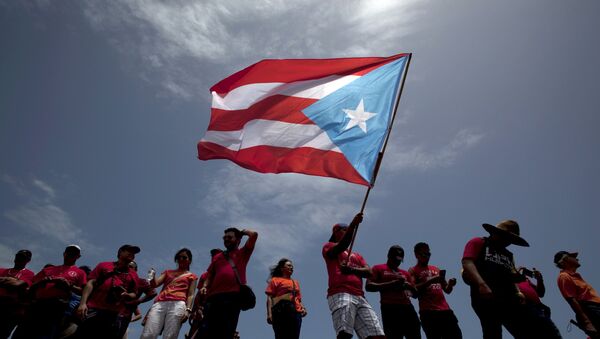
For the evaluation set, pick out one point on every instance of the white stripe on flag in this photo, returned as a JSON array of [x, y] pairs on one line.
[[245, 96], [272, 133]]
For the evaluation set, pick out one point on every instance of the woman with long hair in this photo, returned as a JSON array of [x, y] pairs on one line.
[[173, 305], [284, 301]]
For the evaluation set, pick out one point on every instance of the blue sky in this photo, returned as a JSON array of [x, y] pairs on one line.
[[102, 103]]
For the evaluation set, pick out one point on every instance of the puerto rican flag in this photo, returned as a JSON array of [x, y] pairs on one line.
[[325, 117]]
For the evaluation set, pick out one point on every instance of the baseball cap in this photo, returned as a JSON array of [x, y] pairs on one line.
[[560, 255], [130, 248], [73, 248]]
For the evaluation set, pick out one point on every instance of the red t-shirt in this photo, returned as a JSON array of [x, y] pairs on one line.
[[343, 283], [473, 248], [221, 274], [176, 290], [572, 285], [74, 275], [23, 275], [279, 286], [432, 297], [528, 289], [383, 273], [106, 279]]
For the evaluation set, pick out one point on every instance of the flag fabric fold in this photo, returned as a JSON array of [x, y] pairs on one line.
[[325, 117]]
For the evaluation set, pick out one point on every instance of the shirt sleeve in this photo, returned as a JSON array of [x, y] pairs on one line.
[[97, 272], [270, 290], [473, 248], [326, 249]]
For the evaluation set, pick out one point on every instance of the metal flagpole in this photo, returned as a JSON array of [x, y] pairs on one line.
[[380, 156]]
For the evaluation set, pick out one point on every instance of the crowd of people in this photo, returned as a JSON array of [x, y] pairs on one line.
[[67, 301]]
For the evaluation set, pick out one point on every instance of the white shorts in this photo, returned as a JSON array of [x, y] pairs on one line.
[[353, 313]]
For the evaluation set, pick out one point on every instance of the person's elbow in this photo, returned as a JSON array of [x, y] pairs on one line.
[[369, 287]]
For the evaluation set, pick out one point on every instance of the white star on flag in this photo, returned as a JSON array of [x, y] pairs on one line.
[[358, 117]]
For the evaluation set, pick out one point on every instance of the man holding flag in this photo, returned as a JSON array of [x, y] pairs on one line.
[[349, 309]]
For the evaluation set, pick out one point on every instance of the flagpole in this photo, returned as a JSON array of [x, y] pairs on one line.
[[380, 155]]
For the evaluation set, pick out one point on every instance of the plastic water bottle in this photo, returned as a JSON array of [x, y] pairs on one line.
[[151, 274]]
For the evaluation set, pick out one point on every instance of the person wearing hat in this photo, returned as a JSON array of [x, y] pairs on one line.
[[110, 285], [489, 269], [51, 291], [395, 286], [350, 311], [580, 295], [13, 286]]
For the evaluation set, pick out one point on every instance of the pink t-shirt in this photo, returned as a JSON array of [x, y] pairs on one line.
[[74, 275], [105, 273], [221, 274], [383, 273], [572, 285], [432, 297], [23, 275], [527, 288], [176, 290], [343, 283]]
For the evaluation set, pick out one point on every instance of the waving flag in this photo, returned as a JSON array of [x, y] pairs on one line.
[[325, 117]]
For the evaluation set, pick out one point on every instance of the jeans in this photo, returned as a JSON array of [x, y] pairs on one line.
[[286, 320], [440, 325], [221, 314], [400, 321], [495, 313], [42, 320]]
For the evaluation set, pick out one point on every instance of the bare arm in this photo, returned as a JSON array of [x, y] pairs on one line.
[[87, 290], [189, 300], [540, 288], [252, 237], [448, 286], [582, 317], [343, 244], [269, 307], [472, 275], [158, 281]]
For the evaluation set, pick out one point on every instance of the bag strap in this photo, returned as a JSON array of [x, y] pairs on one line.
[[237, 275], [293, 289], [178, 278]]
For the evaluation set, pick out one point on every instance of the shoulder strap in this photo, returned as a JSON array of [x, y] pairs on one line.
[[237, 275], [179, 277], [293, 289]]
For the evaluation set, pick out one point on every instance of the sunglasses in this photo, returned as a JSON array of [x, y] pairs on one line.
[[184, 257]]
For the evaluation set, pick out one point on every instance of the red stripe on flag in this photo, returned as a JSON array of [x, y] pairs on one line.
[[278, 107], [270, 159], [289, 70]]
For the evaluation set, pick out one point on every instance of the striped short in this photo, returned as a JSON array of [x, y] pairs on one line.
[[353, 313]]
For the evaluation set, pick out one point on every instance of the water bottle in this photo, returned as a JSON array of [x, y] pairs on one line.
[[151, 274]]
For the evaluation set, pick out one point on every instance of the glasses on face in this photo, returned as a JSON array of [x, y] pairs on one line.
[[425, 254], [183, 257]]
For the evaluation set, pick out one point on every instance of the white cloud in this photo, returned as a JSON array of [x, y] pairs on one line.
[[295, 208], [40, 215], [174, 39], [416, 157]]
